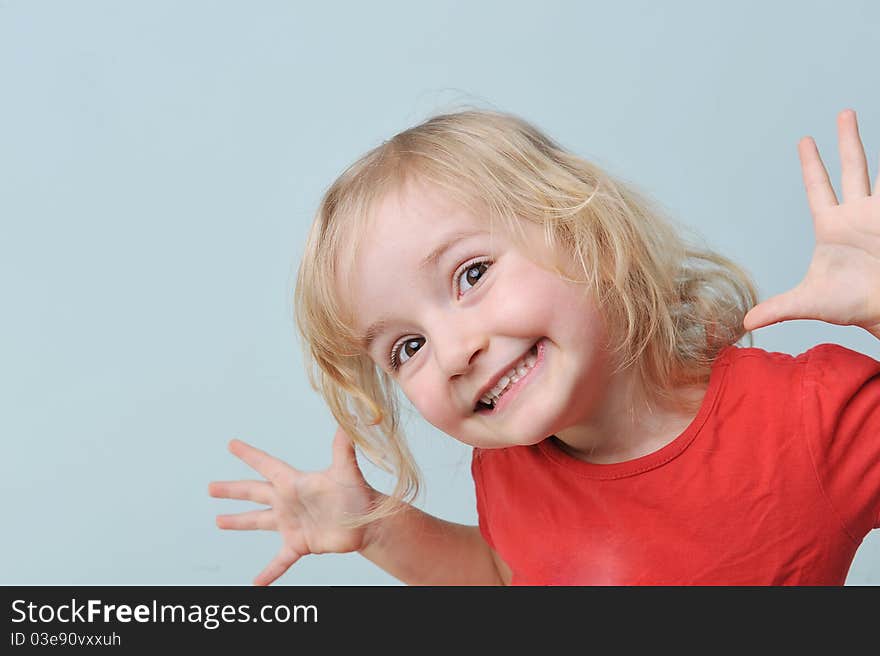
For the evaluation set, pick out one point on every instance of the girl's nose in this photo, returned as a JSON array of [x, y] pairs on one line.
[[457, 348]]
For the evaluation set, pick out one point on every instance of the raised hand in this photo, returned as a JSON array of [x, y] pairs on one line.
[[842, 284], [306, 508]]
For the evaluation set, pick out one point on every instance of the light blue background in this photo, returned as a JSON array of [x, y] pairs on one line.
[[159, 166]]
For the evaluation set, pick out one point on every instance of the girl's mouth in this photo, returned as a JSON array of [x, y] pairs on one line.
[[512, 382]]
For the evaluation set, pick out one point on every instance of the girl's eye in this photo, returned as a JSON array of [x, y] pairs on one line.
[[470, 274], [466, 279], [404, 350]]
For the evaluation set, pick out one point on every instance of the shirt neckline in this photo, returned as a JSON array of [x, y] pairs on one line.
[[550, 447]]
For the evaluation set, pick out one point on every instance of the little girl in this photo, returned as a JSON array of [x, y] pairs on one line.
[[531, 306]]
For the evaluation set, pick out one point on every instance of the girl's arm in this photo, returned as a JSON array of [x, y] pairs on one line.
[[420, 549]]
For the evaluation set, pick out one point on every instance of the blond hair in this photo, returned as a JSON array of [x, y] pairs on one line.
[[670, 307]]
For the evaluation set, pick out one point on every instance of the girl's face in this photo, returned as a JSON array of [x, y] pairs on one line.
[[450, 311]]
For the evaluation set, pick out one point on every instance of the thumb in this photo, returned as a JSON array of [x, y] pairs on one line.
[[782, 307], [343, 450]]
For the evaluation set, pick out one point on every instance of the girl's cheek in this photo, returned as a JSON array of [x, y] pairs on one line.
[[427, 404], [526, 301]]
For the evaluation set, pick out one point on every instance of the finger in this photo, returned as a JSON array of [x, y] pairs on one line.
[[877, 181], [256, 491], [280, 564], [820, 193], [343, 449], [270, 467], [252, 520], [854, 179], [783, 307]]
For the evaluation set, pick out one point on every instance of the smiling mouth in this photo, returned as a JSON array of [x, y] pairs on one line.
[[519, 371]]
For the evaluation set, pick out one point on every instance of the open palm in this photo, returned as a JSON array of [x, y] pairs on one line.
[[308, 509], [842, 283]]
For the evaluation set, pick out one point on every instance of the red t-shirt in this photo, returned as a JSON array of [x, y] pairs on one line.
[[775, 481]]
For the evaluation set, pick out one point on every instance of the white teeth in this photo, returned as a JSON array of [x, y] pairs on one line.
[[519, 371], [500, 385]]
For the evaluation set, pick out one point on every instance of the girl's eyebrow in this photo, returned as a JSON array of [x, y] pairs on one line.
[[375, 329], [431, 259], [434, 256]]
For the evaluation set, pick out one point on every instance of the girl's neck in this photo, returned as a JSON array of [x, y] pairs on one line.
[[628, 425]]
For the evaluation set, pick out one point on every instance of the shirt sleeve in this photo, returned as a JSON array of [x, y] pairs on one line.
[[841, 415], [480, 490]]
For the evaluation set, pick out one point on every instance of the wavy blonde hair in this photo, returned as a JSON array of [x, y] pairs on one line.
[[670, 307]]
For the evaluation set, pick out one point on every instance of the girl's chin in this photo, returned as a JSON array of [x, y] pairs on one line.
[[502, 442]]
